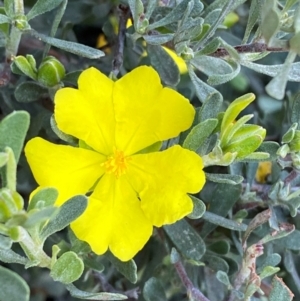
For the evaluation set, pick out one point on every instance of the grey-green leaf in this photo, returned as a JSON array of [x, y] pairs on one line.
[[175, 15], [224, 178], [128, 268], [272, 70], [280, 292], [198, 209], [68, 212], [9, 256], [68, 268], [72, 47], [164, 65], [4, 19], [223, 222], [43, 198], [13, 129], [211, 106], [158, 39], [12, 286], [77, 293], [199, 133], [186, 240], [154, 291], [41, 7], [295, 114], [29, 91]]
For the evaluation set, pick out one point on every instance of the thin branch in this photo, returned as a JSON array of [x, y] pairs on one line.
[[192, 291], [124, 14], [249, 48]]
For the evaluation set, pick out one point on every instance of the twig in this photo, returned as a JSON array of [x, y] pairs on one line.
[[192, 291], [249, 48], [117, 63]]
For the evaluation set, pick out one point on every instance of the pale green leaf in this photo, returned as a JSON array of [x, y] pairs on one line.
[[12, 286]]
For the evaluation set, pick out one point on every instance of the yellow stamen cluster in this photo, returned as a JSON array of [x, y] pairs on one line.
[[116, 164]]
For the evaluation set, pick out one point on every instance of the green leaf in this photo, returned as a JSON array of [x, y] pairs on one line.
[[223, 222], [13, 129], [9, 7], [153, 290], [223, 278], [42, 198], [280, 292], [40, 216], [216, 263], [72, 47], [25, 67], [224, 178], [289, 135], [11, 170], [238, 126], [293, 74], [270, 21], [175, 15], [164, 65], [199, 133], [218, 79], [234, 109], [256, 157], [3, 159], [221, 198], [4, 19], [158, 39], [68, 268], [295, 114], [68, 212], [203, 90], [42, 6], [12, 286], [186, 240], [128, 268], [9, 256], [268, 271], [76, 293], [30, 91], [211, 107], [137, 9], [253, 17], [65, 137], [244, 148], [291, 242], [199, 208], [221, 247], [276, 87], [270, 260], [269, 147], [211, 65]]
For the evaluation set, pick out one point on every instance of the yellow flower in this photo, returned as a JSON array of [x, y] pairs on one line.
[[132, 190]]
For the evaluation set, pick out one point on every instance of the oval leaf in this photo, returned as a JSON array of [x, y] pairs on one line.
[[186, 240], [68, 268], [68, 212], [164, 65], [12, 286]]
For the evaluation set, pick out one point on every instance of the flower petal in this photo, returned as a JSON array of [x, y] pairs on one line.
[[113, 220], [88, 113], [162, 181], [147, 113], [69, 169]]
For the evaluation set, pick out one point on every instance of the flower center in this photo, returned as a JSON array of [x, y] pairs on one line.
[[116, 163]]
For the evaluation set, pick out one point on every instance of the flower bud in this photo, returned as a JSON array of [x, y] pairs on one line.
[[50, 72], [26, 66]]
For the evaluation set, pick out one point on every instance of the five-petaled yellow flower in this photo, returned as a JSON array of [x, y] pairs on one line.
[[132, 190]]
